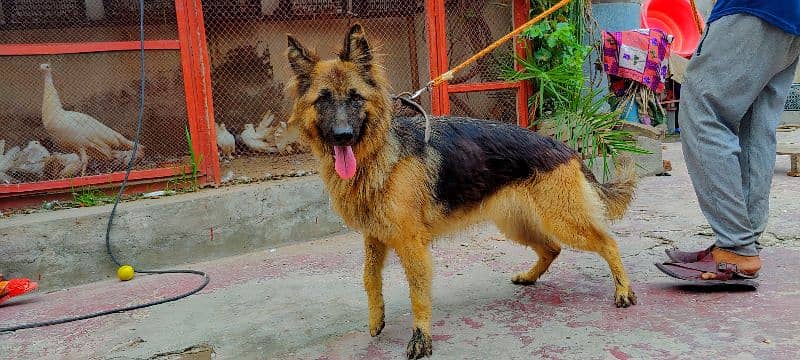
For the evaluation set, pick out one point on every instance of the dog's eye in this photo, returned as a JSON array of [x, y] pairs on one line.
[[324, 96], [356, 100]]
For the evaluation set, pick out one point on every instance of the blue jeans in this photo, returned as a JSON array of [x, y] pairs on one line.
[[734, 90]]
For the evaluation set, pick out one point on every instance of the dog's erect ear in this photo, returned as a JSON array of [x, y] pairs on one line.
[[302, 62], [356, 50]]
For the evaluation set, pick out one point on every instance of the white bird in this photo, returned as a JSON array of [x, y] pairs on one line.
[[61, 166], [285, 136], [225, 141], [254, 141], [264, 125], [7, 161], [31, 160], [76, 131], [123, 157]]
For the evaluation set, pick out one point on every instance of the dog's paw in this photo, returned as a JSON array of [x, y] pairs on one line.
[[523, 278], [421, 345], [376, 321], [376, 329], [625, 299]]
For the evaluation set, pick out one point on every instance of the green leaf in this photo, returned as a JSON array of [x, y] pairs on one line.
[[543, 54]]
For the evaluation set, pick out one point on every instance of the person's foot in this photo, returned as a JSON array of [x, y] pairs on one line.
[[3, 286], [746, 265], [677, 255]]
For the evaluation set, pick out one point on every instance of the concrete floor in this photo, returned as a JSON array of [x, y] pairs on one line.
[[306, 301]]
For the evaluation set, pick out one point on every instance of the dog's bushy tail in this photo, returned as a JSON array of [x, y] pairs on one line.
[[617, 194]]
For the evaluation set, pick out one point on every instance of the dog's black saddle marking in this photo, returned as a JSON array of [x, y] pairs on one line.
[[479, 157]]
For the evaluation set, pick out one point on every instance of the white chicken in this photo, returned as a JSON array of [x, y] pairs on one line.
[[225, 141], [255, 140], [7, 161], [285, 136], [76, 131], [265, 124], [123, 157], [31, 160], [61, 166]]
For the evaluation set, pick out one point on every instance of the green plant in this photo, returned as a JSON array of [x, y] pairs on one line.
[[90, 197], [194, 160], [583, 125], [188, 180], [555, 67]]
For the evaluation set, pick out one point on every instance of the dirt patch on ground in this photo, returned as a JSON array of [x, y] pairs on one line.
[[267, 167]]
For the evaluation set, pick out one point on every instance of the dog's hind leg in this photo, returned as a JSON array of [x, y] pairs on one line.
[[624, 295], [418, 265], [590, 237], [547, 250], [571, 212], [374, 257]]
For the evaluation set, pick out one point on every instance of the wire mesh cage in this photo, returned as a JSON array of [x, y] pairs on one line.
[[249, 69], [471, 26], [382, 8], [793, 99], [497, 105], [74, 114], [74, 21], [35, 13], [127, 11], [88, 103]]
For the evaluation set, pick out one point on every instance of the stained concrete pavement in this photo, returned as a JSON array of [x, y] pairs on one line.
[[305, 301]]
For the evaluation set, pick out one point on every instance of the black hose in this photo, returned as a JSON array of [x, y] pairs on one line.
[[131, 162]]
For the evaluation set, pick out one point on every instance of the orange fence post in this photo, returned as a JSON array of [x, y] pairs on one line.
[[197, 84], [521, 14]]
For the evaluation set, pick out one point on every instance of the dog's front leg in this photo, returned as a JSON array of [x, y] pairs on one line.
[[374, 256], [416, 259]]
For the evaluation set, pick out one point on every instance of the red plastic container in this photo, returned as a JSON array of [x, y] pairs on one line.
[[675, 18]]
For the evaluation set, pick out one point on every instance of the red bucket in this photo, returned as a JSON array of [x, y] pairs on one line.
[[675, 18]]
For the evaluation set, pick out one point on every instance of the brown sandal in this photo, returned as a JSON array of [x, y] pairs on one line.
[[679, 256], [724, 273]]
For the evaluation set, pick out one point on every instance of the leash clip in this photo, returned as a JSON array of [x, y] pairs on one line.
[[408, 99], [419, 92]]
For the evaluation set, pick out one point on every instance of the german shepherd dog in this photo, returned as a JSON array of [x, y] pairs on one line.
[[400, 192]]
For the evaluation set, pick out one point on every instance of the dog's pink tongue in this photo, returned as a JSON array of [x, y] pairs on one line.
[[345, 161]]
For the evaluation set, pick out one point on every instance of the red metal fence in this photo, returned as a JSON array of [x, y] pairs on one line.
[[85, 116]]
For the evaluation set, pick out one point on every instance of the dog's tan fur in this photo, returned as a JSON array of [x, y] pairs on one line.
[[390, 199]]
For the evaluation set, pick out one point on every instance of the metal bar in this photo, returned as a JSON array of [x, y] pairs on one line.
[[205, 101], [88, 47], [522, 10], [444, 64], [433, 53], [197, 111], [189, 81], [103, 179]]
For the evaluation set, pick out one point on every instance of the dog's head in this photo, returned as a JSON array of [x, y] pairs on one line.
[[341, 106]]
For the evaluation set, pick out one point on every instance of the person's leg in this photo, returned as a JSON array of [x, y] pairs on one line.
[[758, 142], [723, 80]]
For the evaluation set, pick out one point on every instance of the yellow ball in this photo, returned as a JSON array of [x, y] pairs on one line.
[[125, 272]]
